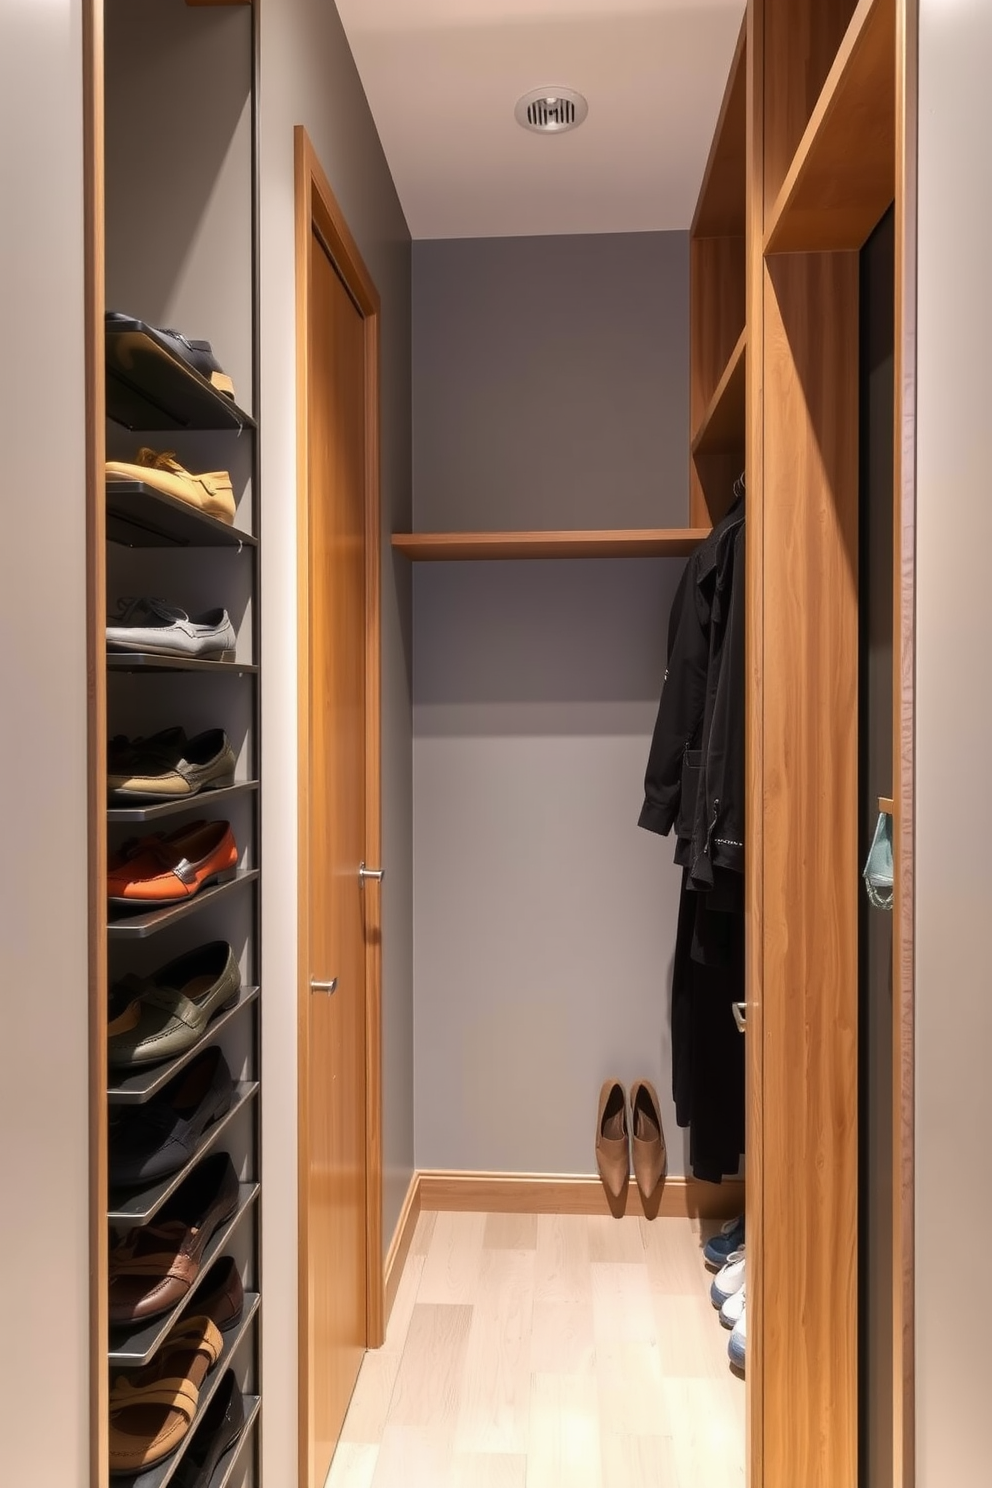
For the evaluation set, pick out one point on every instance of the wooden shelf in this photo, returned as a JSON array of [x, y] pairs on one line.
[[722, 424], [720, 208], [659, 542], [842, 177]]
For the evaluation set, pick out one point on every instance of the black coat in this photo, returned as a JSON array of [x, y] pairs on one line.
[[695, 774]]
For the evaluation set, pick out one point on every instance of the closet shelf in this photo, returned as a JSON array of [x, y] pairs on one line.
[[144, 661], [159, 809], [163, 1473], [140, 517], [134, 1089], [150, 387], [140, 1208], [722, 201], [675, 542], [138, 926], [129, 1349], [230, 1465], [722, 424], [842, 177]]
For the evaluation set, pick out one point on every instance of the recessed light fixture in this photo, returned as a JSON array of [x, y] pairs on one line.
[[551, 110]]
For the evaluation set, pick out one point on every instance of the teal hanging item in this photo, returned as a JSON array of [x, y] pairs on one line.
[[879, 872]]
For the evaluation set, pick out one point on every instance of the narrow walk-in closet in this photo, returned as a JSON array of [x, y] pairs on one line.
[[478, 832]]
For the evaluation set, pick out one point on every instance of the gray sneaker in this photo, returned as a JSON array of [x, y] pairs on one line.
[[152, 626]]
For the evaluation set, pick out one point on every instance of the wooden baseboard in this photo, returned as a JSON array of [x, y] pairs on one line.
[[539, 1193], [399, 1247]]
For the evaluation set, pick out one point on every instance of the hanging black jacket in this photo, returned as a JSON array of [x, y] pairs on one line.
[[695, 774]]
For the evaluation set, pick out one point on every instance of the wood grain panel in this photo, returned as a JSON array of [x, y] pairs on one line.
[[754, 746], [801, 40], [904, 714], [318, 215], [96, 720], [842, 178], [540, 1193], [716, 315], [810, 872], [660, 542], [717, 450], [721, 205]]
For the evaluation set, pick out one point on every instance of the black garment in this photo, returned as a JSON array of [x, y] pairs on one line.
[[707, 1050], [695, 773], [695, 782]]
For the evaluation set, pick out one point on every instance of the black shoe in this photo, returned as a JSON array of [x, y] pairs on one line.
[[196, 354], [222, 1424], [158, 1139]]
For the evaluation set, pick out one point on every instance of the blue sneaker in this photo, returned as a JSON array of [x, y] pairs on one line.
[[730, 1238]]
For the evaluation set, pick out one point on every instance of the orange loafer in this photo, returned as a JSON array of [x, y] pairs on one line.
[[167, 870]]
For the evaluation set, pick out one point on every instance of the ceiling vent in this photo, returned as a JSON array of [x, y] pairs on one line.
[[551, 110]]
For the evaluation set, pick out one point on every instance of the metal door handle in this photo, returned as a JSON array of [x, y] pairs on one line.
[[328, 987], [365, 873], [740, 1016]]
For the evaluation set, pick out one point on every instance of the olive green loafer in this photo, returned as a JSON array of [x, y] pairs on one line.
[[170, 1010]]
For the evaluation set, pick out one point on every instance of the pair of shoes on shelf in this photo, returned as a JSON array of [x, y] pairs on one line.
[[155, 1140], [160, 629], [617, 1141], [168, 766], [153, 1408], [168, 870], [223, 1423], [720, 1246], [163, 1015], [196, 354], [210, 492], [154, 1266]]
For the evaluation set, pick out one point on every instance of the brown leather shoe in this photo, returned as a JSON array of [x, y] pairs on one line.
[[647, 1138], [155, 1266], [612, 1150]]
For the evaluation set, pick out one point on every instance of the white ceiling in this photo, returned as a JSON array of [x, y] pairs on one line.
[[443, 76]]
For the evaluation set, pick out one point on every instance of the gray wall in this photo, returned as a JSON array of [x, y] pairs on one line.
[[954, 725], [309, 78], [44, 1095], [551, 382], [550, 390]]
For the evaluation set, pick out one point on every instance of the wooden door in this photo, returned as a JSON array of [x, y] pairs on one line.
[[341, 1267]]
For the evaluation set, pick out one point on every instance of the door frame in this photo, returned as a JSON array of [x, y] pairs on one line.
[[317, 211]]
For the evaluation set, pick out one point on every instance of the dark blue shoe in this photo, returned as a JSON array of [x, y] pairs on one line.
[[729, 1239]]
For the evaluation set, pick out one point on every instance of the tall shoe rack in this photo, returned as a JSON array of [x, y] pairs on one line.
[[149, 389]]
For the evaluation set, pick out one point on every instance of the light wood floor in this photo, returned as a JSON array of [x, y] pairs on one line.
[[550, 1351]]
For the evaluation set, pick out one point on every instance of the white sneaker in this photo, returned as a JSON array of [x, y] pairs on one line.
[[733, 1309], [729, 1280], [737, 1347]]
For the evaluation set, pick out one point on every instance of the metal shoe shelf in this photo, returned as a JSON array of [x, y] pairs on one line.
[[149, 390]]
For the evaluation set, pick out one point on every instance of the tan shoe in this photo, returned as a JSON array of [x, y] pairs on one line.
[[612, 1149], [648, 1138], [211, 492]]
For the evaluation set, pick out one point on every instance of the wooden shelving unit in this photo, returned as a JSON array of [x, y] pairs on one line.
[[723, 420], [717, 285], [802, 169], [823, 204], [662, 542]]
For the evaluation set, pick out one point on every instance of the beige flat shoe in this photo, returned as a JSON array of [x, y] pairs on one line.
[[647, 1138], [612, 1149], [211, 492]]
